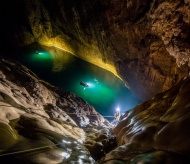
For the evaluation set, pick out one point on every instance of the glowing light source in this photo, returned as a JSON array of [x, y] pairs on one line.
[[41, 56], [118, 109], [40, 53], [91, 85]]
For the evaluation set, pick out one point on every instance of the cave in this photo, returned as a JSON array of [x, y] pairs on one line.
[[143, 45]]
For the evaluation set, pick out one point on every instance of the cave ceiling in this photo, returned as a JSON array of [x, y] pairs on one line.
[[146, 43]]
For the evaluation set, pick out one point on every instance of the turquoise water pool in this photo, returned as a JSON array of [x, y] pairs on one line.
[[106, 92]]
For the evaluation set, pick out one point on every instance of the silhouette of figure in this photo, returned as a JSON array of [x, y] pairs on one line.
[[116, 117]]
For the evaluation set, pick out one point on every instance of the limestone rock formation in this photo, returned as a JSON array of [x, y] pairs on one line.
[[99, 142], [147, 42], [40, 123], [156, 131], [152, 43]]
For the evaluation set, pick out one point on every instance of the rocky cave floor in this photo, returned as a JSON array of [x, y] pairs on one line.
[[44, 124], [40, 123]]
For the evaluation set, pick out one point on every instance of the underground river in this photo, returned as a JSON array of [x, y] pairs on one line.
[[105, 91]]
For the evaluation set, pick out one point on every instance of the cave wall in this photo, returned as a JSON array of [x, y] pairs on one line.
[[146, 43], [152, 43], [155, 131], [73, 26]]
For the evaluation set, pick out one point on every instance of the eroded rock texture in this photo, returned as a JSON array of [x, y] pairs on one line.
[[147, 42], [40, 123], [156, 131], [152, 43]]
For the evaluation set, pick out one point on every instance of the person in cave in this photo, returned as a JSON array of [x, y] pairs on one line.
[[116, 117]]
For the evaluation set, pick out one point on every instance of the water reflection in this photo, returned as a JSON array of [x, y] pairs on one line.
[[61, 59], [105, 91]]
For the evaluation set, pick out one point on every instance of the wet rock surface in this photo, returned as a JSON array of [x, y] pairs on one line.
[[155, 131], [99, 142], [40, 123]]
